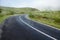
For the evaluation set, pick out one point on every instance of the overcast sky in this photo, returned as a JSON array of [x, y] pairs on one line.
[[40, 4]]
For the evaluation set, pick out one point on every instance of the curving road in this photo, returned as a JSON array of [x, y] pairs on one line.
[[21, 28]]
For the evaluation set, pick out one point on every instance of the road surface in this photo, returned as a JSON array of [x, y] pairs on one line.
[[21, 28]]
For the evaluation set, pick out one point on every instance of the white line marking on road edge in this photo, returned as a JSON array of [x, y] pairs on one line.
[[41, 23], [37, 30]]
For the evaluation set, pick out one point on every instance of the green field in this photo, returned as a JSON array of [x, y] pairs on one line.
[[7, 11], [47, 17]]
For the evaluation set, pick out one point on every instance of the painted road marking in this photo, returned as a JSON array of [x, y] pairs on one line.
[[41, 23], [37, 29]]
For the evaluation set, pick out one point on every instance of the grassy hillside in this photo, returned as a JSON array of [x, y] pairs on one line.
[[18, 10], [47, 17], [7, 11]]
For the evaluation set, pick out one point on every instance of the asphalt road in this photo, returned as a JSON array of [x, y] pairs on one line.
[[20, 28]]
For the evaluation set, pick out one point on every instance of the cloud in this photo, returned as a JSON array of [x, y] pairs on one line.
[[53, 4], [40, 4]]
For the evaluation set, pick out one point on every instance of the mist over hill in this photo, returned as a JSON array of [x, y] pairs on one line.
[[18, 10]]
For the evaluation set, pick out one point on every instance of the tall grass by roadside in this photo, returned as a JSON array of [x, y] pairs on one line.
[[52, 18], [3, 18]]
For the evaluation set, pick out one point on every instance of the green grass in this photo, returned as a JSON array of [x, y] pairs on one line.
[[50, 18], [7, 11], [3, 18]]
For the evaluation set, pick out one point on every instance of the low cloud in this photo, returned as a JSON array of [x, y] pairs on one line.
[[40, 4]]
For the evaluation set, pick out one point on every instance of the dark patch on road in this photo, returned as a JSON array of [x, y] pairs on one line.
[[16, 30], [0, 30]]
